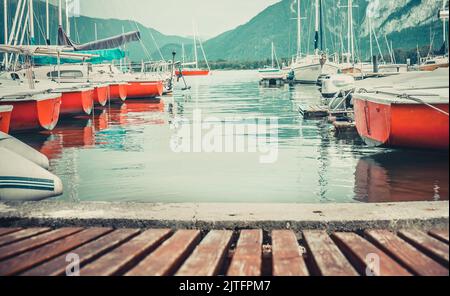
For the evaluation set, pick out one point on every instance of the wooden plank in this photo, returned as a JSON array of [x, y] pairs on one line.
[[247, 259], [169, 256], [325, 257], [35, 242], [405, 253], [86, 253], [208, 257], [427, 244], [121, 259], [4, 231], [361, 253], [441, 235], [32, 258], [287, 258], [21, 235]]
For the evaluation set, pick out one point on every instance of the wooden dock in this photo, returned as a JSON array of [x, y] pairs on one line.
[[164, 252]]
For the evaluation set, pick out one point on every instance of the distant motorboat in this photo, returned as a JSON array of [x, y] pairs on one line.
[[23, 180], [433, 63]]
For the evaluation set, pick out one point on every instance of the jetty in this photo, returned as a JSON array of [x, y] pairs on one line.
[[203, 239]]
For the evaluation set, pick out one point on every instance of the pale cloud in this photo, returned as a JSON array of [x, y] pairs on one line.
[[175, 17]]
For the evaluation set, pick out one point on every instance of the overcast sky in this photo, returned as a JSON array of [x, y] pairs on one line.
[[175, 17]]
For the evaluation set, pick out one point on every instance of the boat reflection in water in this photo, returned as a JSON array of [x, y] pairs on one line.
[[106, 128], [402, 176]]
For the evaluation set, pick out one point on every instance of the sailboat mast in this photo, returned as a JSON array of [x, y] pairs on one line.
[[350, 37], [60, 19], [316, 36], [183, 53], [273, 62], [47, 19], [195, 49], [299, 29], [444, 30], [321, 24], [95, 31], [370, 34], [31, 22], [5, 12], [67, 19]]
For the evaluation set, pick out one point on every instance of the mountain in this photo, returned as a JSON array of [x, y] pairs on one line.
[[407, 23], [83, 31]]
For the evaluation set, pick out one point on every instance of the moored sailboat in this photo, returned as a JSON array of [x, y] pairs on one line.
[[193, 69], [309, 68]]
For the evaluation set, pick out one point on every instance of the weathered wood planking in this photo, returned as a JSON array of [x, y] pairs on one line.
[[85, 253], [4, 231], [287, 258], [427, 244], [169, 256], [441, 235], [208, 257], [405, 253], [325, 257], [104, 251], [35, 242], [362, 253], [21, 235], [31, 258], [120, 259], [247, 259]]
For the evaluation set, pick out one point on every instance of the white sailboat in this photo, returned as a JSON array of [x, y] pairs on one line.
[[309, 68], [274, 71]]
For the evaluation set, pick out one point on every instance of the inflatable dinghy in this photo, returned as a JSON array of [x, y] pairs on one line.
[[23, 180], [12, 144]]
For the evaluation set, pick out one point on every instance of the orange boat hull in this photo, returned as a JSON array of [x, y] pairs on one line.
[[142, 89], [5, 119], [76, 103], [193, 72], [430, 68], [118, 92], [402, 125], [35, 115], [100, 95]]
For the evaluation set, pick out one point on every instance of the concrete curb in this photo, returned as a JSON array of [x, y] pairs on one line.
[[332, 217]]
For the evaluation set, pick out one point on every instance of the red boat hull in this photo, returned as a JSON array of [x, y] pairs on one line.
[[100, 95], [402, 125], [31, 115], [143, 89], [187, 72], [118, 92], [76, 103], [5, 118]]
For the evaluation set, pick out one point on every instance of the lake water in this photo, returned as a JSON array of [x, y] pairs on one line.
[[129, 152]]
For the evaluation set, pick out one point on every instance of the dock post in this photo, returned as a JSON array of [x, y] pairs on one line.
[[375, 64]]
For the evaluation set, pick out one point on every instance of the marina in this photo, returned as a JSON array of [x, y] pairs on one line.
[[325, 156]]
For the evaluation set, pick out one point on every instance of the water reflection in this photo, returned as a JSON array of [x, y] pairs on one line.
[[123, 153], [402, 176]]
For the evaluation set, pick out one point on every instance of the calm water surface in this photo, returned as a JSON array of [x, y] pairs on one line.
[[123, 153]]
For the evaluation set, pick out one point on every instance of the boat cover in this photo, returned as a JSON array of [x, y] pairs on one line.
[[109, 43]]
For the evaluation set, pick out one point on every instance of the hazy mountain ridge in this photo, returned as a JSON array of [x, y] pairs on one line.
[[407, 23]]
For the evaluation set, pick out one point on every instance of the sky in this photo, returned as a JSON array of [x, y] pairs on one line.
[[175, 17]]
